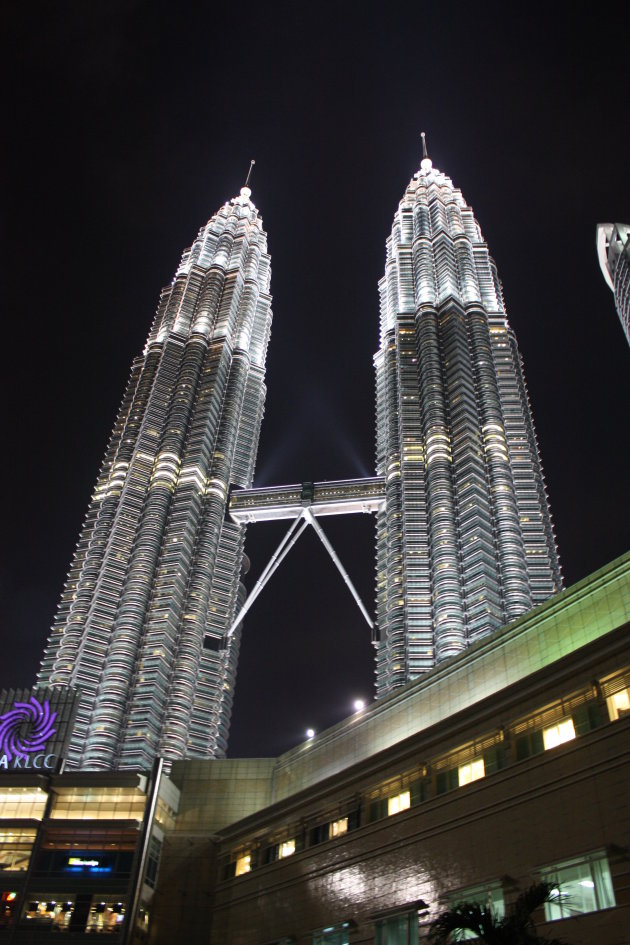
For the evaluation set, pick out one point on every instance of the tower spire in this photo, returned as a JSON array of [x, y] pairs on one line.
[[426, 163], [245, 190]]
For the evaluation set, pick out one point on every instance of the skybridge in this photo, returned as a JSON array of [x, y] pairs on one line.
[[303, 505], [342, 497]]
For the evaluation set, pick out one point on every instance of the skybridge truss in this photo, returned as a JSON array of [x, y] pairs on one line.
[[303, 505]]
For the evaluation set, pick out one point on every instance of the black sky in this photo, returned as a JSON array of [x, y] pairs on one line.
[[129, 124]]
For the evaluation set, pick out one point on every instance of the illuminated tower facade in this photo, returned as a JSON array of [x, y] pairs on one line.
[[464, 540], [613, 250], [155, 581]]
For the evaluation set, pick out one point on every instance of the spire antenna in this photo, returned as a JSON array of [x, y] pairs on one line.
[[425, 164], [249, 173]]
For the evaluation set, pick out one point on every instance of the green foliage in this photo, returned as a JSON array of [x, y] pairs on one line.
[[515, 928]]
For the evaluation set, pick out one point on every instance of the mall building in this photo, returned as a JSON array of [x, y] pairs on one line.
[[80, 852], [504, 765]]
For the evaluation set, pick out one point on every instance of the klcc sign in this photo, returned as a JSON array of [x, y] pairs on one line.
[[24, 733]]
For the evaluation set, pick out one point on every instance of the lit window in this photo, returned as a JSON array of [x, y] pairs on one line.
[[243, 864], [79, 803], [471, 772], [618, 704], [22, 802], [286, 849], [15, 849], [105, 916], [278, 851], [51, 913], [580, 885], [559, 733], [337, 827], [398, 802]]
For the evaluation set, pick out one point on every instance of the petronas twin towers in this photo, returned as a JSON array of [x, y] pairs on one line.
[[146, 625]]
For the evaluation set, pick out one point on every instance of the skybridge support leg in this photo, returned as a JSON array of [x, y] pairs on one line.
[[310, 518], [275, 561], [299, 523]]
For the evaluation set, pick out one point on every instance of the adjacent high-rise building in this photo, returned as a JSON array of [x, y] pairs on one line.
[[613, 250], [154, 584], [465, 540]]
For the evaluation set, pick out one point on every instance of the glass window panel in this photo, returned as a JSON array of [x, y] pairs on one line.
[[490, 896], [243, 864], [559, 733], [51, 911], [580, 886], [106, 915], [471, 772], [618, 704], [99, 804], [286, 848], [338, 827], [15, 849], [603, 883], [153, 861], [399, 929], [398, 802], [22, 802]]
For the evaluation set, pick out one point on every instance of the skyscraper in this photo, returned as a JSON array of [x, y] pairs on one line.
[[613, 250], [153, 587], [464, 540]]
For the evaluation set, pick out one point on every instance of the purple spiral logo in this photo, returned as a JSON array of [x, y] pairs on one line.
[[42, 727]]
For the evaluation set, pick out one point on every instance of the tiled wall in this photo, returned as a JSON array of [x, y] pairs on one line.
[[217, 793], [543, 810]]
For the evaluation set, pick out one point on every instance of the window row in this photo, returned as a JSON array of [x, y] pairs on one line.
[[63, 912], [551, 726], [578, 886]]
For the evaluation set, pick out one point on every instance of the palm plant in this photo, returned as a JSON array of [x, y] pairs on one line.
[[515, 928]]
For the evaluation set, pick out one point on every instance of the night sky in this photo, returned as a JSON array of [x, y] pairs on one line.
[[130, 123]]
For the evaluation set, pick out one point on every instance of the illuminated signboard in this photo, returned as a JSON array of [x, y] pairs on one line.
[[87, 863], [25, 731]]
